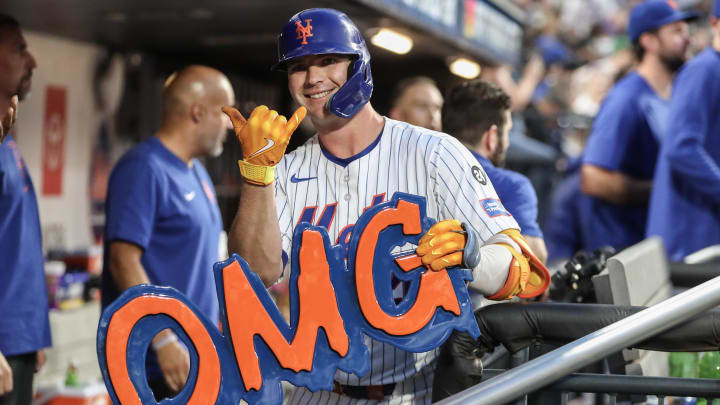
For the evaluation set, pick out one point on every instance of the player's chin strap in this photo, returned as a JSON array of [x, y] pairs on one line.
[[528, 277]]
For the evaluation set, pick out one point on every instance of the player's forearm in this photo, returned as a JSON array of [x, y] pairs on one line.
[[255, 234], [507, 258], [614, 187], [491, 274]]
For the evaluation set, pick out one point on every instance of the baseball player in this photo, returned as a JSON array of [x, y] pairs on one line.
[[621, 152], [359, 158], [685, 201]]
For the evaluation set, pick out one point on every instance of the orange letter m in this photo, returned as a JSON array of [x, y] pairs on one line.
[[248, 317]]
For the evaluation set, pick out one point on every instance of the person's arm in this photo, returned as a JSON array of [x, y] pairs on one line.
[[488, 241], [127, 271], [614, 140], [6, 377], [40, 360], [255, 231], [695, 98], [537, 245], [255, 234], [613, 186], [520, 92]]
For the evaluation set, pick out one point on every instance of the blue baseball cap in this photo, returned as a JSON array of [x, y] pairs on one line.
[[553, 51], [716, 9], [653, 14]]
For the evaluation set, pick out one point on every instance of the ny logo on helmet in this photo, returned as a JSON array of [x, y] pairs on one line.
[[304, 32]]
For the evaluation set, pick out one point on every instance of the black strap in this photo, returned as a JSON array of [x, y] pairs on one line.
[[364, 391]]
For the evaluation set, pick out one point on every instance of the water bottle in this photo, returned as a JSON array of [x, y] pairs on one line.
[[71, 375]]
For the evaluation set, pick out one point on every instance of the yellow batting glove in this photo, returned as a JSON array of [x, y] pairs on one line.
[[442, 245], [263, 138]]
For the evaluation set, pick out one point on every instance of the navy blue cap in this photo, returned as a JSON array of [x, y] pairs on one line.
[[653, 14], [716, 9]]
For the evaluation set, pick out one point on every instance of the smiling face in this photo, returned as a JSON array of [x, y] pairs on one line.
[[313, 79]]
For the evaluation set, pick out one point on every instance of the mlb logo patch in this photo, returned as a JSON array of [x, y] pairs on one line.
[[493, 207]]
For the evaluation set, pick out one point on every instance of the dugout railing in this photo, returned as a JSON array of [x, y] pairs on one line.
[[554, 369]]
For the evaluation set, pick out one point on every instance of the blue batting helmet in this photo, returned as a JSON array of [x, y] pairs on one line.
[[318, 31]]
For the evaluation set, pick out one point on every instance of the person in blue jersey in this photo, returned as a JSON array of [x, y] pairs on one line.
[[567, 225], [24, 323], [356, 159], [685, 201], [477, 113], [621, 152], [163, 223]]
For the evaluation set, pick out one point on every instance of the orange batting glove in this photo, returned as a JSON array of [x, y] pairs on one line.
[[263, 138]]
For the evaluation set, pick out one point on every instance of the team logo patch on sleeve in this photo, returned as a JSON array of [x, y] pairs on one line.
[[494, 208], [479, 175]]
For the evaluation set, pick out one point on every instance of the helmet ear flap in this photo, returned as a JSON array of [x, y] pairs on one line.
[[355, 93]]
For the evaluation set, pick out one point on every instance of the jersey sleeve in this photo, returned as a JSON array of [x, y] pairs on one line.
[[612, 131], [132, 201], [464, 192], [695, 95]]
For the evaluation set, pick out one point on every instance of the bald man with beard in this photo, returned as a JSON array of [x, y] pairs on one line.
[[162, 219], [24, 324]]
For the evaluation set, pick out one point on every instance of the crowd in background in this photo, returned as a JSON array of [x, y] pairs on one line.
[[574, 52]]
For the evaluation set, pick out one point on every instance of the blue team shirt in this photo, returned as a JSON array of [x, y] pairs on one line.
[[169, 210], [685, 202], [24, 324], [563, 226], [516, 193], [624, 138]]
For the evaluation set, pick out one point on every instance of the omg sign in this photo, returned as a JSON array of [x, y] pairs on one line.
[[333, 303]]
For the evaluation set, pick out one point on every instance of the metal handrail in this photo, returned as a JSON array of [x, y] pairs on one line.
[[569, 358], [704, 255], [630, 384]]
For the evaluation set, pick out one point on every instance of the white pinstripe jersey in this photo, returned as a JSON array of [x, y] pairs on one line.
[[313, 185]]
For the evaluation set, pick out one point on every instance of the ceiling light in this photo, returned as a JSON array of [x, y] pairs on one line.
[[465, 68], [392, 41]]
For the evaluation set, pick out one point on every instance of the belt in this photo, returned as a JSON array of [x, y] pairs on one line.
[[376, 392]]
